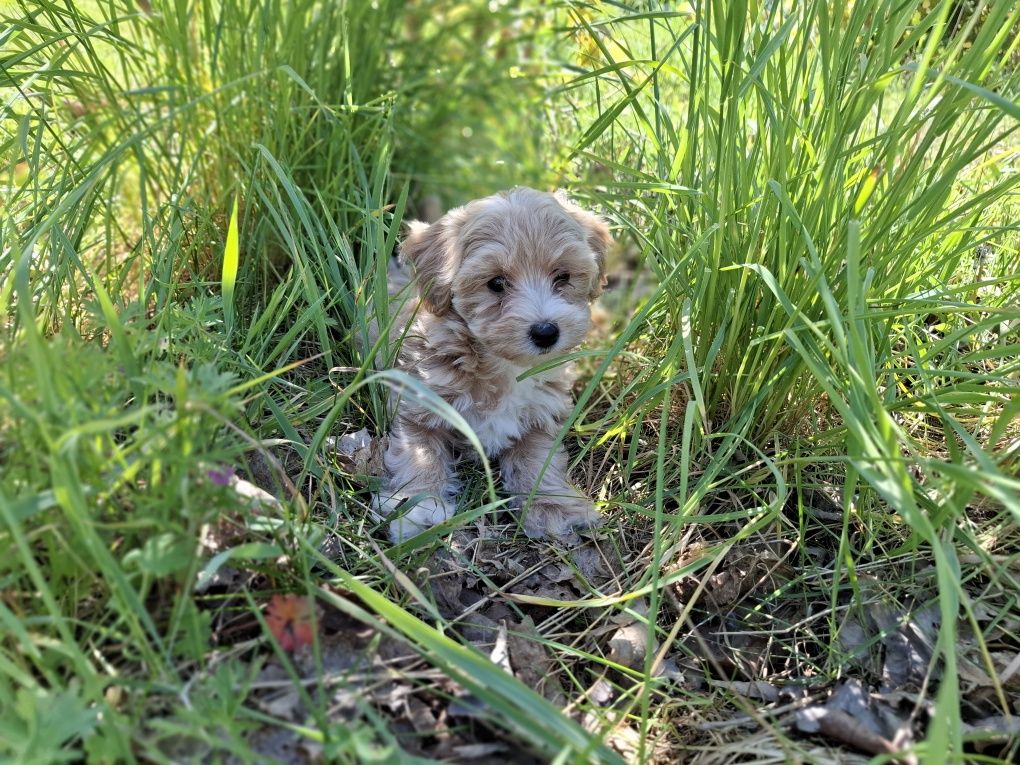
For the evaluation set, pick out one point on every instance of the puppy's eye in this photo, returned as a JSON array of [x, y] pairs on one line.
[[497, 284], [561, 280]]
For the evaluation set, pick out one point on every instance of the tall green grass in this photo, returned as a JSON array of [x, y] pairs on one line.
[[772, 134], [199, 204], [129, 375], [819, 186]]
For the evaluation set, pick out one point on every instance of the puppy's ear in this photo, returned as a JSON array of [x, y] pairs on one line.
[[432, 254], [596, 232]]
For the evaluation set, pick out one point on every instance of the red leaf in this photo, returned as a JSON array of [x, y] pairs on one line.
[[289, 618]]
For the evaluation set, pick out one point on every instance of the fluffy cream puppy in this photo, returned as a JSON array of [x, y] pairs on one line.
[[502, 284]]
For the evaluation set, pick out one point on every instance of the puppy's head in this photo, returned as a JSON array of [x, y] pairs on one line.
[[520, 269]]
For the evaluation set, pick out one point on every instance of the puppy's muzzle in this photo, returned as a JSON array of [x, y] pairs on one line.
[[544, 334]]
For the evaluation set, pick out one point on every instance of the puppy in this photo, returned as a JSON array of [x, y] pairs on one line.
[[502, 284]]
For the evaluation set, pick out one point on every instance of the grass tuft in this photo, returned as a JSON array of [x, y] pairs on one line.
[[798, 411]]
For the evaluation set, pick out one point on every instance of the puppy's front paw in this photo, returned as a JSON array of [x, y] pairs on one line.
[[559, 517], [426, 514]]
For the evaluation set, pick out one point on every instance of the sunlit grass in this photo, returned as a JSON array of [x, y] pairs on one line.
[[816, 216]]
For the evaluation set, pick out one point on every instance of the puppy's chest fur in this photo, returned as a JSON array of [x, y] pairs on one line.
[[536, 401], [484, 390]]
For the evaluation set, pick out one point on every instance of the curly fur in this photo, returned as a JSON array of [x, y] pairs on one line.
[[470, 342]]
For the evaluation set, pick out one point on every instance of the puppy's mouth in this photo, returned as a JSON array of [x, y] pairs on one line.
[[525, 353], [552, 350]]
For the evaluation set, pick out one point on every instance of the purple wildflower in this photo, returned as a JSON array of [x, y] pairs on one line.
[[221, 476]]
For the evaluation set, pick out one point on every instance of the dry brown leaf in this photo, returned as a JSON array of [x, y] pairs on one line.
[[755, 689], [420, 716], [284, 706], [532, 663], [852, 717], [855, 641], [356, 452], [1007, 665], [629, 643], [843, 727], [627, 741], [555, 591], [909, 643], [557, 572], [740, 574], [591, 564]]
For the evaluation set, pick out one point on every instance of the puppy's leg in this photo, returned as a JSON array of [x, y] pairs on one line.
[[557, 508], [419, 466]]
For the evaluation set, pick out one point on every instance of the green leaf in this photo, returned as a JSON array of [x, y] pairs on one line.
[[162, 555], [228, 279], [248, 551]]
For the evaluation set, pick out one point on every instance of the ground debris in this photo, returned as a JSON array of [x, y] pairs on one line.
[[852, 717], [532, 663], [742, 572], [630, 642], [358, 453], [751, 637], [909, 644], [628, 742], [755, 689], [994, 730]]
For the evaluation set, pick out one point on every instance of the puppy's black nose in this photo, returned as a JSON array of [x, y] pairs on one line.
[[545, 335]]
